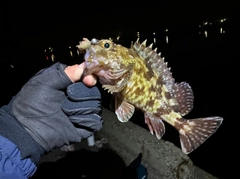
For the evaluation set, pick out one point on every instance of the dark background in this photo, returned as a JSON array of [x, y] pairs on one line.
[[209, 65]]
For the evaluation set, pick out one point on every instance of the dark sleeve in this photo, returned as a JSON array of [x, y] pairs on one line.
[[13, 131]]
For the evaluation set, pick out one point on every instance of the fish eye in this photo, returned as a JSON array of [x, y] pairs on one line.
[[106, 45]]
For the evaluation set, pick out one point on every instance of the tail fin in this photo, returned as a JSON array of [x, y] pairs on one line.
[[194, 132]]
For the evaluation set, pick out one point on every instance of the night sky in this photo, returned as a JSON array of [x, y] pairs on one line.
[[38, 19], [38, 23], [35, 25]]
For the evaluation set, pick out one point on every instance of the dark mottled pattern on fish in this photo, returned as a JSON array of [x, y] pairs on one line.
[[139, 77]]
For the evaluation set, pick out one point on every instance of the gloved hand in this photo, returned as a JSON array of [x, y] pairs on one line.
[[82, 107], [51, 118]]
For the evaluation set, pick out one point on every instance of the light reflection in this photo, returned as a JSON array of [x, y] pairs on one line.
[[46, 56], [118, 35], [138, 34], [202, 28], [71, 51], [52, 57], [49, 54], [154, 38], [222, 31], [223, 20], [205, 33], [167, 39]]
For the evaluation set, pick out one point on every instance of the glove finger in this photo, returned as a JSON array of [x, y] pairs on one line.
[[80, 92], [90, 122], [84, 107]]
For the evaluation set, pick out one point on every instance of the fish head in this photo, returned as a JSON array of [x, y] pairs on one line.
[[110, 62]]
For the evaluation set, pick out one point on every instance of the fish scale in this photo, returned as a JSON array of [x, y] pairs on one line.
[[138, 77], [140, 94]]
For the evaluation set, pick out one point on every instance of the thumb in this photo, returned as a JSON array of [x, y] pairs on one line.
[[75, 72]]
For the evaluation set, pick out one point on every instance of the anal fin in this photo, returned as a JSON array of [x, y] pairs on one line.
[[155, 124]]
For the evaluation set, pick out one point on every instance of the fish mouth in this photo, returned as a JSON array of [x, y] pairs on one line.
[[89, 69], [84, 73], [87, 55], [86, 70]]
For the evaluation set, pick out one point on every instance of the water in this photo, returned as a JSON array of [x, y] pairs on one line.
[[204, 56]]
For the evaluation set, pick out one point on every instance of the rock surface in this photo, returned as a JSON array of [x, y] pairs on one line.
[[162, 159]]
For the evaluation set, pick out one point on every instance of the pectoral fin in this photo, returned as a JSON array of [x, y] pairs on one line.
[[123, 110]]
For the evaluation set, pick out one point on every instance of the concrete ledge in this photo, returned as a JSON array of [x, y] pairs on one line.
[[162, 159]]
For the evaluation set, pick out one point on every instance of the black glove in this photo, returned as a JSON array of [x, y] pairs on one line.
[[83, 106], [38, 108]]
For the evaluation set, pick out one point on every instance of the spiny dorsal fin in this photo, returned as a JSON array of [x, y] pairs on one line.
[[184, 96], [155, 63]]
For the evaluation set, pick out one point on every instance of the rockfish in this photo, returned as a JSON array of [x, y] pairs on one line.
[[138, 77]]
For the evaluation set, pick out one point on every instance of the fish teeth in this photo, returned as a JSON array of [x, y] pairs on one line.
[[155, 50]]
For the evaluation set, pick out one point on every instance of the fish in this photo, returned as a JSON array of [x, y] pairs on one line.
[[139, 78]]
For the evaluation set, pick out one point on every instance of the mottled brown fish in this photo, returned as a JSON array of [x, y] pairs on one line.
[[138, 77]]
